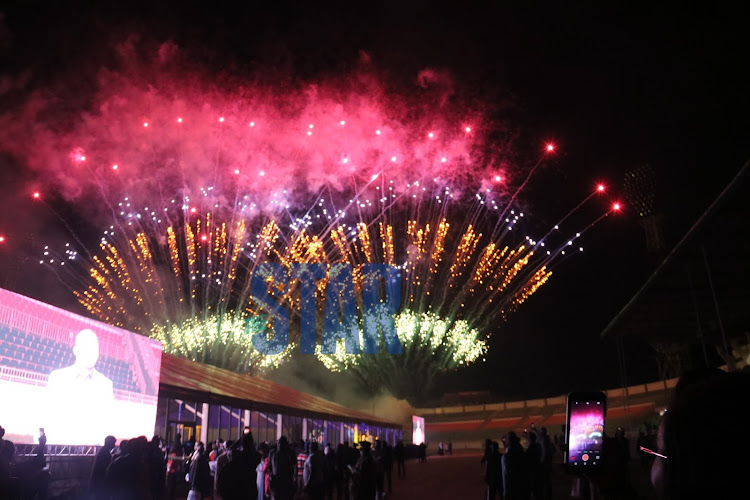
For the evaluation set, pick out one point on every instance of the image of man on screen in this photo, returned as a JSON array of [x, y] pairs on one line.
[[418, 435], [79, 398]]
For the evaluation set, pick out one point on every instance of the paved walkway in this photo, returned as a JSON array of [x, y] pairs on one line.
[[450, 477], [461, 476]]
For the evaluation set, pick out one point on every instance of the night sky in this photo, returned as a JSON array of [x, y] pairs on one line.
[[613, 88]]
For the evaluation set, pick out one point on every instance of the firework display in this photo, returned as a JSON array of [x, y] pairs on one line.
[[219, 340], [213, 184]]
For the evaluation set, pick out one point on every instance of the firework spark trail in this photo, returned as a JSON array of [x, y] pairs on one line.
[[599, 190], [553, 255]]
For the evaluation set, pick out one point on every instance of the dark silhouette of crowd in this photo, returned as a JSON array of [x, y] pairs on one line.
[[23, 480], [517, 473], [138, 469]]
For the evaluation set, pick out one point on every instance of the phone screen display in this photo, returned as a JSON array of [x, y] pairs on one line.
[[586, 427]]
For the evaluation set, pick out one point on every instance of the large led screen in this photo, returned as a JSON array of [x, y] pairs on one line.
[[417, 430], [76, 378]]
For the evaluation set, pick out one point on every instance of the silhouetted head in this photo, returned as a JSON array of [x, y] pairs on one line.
[[248, 443], [109, 442], [513, 438], [365, 447], [699, 463], [314, 447], [283, 442], [86, 349]]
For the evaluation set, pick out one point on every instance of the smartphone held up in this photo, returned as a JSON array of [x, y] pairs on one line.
[[584, 436]]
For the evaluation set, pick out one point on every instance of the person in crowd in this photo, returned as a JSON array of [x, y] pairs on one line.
[[344, 473], [450, 447], [189, 447], [617, 459], [260, 471], [332, 471], [354, 453], [97, 480], [365, 476], [534, 465], [690, 460], [301, 458], [388, 465], [176, 445], [399, 452], [201, 484], [283, 470], [548, 454], [128, 475], [493, 473], [222, 459], [422, 451], [378, 456], [237, 479], [174, 467], [314, 473], [157, 466], [515, 474], [268, 471], [487, 450], [10, 486], [33, 475]]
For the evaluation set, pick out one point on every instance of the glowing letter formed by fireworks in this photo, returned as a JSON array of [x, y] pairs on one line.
[[377, 314], [308, 274], [271, 273], [340, 300], [341, 321]]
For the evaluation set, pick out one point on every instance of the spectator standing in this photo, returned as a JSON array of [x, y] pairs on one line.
[[534, 465], [301, 459], [493, 473], [283, 471], [515, 475], [365, 476], [548, 454], [314, 473], [201, 484], [98, 478], [399, 453]]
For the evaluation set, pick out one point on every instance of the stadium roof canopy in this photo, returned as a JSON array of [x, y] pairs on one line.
[[185, 379]]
